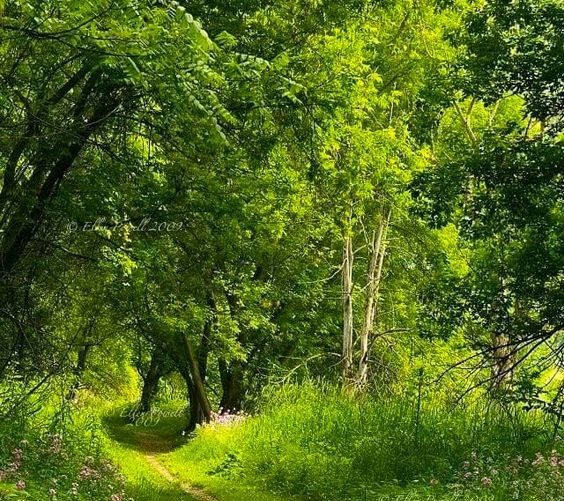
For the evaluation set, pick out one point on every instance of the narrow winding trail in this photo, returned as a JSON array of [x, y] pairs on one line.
[[195, 493], [146, 447]]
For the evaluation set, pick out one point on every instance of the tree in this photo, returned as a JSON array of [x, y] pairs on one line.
[[503, 187]]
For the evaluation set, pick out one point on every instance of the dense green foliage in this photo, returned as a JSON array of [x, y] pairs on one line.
[[203, 200]]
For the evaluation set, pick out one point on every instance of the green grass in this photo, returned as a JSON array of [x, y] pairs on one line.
[[324, 445], [128, 445], [43, 453], [89, 431], [308, 442], [196, 472], [144, 483]]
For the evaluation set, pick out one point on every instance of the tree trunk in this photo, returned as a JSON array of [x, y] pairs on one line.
[[503, 355], [198, 412], [195, 415], [197, 389], [232, 374], [151, 383], [348, 322], [79, 370], [204, 348], [231, 385], [192, 367], [378, 251], [502, 363]]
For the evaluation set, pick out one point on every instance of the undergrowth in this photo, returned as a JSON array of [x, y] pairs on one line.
[[321, 443]]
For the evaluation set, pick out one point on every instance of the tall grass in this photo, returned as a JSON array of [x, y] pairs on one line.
[[319, 442]]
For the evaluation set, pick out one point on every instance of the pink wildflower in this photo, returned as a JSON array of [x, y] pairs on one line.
[[14, 466], [86, 472], [539, 459], [56, 444]]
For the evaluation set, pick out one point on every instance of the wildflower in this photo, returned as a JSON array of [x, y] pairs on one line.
[[86, 472], [14, 466], [486, 481], [55, 447], [74, 489], [512, 469], [20, 485], [554, 458], [433, 482], [225, 417], [107, 466], [539, 459], [52, 493]]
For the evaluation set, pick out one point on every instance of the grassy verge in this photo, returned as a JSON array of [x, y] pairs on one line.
[[323, 445], [85, 457], [196, 471]]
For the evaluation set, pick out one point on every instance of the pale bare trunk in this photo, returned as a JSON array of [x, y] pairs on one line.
[[374, 277], [348, 323]]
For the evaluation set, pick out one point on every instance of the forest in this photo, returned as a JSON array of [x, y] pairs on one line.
[[281, 250]]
